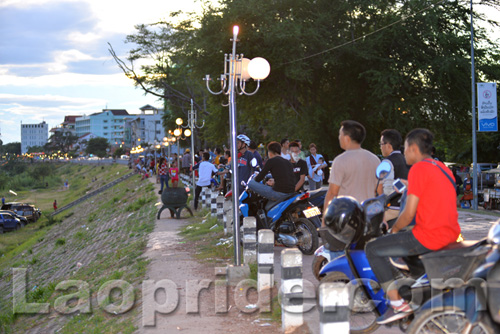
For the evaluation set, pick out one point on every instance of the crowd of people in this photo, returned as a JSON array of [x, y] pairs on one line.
[[429, 203]]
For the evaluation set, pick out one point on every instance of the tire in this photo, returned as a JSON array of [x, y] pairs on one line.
[[447, 320], [363, 317], [307, 235], [18, 226], [318, 263], [1, 229]]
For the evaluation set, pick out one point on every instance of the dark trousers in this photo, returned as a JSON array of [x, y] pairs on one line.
[[378, 252], [197, 192]]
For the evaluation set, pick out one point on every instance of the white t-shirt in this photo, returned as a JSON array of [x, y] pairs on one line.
[[205, 173]]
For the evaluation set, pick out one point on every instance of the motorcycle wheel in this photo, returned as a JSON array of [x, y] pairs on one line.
[[318, 263], [363, 317], [447, 320], [307, 235]]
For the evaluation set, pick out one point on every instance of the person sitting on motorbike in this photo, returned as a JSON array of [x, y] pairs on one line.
[[283, 178], [390, 143], [432, 199], [244, 157]]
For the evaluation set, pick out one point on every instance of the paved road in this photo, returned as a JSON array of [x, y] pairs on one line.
[[474, 226]]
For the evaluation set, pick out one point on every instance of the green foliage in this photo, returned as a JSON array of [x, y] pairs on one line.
[[18, 175], [61, 141], [139, 203], [118, 152], [11, 148], [60, 242], [388, 64], [97, 146]]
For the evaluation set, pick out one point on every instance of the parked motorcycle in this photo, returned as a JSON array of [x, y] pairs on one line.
[[472, 306], [350, 264], [294, 220]]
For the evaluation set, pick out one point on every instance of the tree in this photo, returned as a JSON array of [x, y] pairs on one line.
[[118, 152], [62, 141], [97, 146], [41, 170], [35, 149], [386, 63], [12, 148]]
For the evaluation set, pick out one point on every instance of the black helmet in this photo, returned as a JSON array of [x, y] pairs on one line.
[[345, 219]]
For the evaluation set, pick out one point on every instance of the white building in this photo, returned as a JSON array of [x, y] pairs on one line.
[[33, 135]]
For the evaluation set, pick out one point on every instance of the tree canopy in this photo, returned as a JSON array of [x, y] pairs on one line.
[[97, 146], [385, 63]]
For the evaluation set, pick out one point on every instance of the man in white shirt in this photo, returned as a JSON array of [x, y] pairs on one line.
[[205, 170]]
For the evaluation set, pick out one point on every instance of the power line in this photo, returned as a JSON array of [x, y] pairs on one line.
[[364, 36]]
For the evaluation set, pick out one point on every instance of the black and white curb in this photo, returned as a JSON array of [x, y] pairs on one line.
[[334, 308], [220, 210], [213, 203], [249, 240], [265, 272], [292, 288]]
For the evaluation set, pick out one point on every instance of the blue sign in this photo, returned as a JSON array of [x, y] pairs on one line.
[[488, 124]]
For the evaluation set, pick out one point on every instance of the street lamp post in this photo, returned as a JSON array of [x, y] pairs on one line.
[[192, 123], [178, 133], [240, 70]]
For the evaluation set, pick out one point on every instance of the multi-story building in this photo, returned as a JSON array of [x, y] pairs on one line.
[[119, 127], [144, 126], [108, 124], [33, 135]]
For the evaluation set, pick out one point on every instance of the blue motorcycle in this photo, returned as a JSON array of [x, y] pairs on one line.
[[348, 262], [294, 220], [465, 307]]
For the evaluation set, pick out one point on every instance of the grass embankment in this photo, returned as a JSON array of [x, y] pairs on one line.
[[80, 179], [100, 240]]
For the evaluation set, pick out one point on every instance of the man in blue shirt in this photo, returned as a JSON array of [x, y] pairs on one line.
[[205, 170], [244, 157]]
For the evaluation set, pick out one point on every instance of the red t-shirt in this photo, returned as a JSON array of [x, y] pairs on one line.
[[174, 173], [437, 217]]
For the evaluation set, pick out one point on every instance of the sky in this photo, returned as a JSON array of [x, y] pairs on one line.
[[54, 58]]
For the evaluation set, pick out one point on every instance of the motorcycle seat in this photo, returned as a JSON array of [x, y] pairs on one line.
[[270, 204], [461, 244], [317, 193]]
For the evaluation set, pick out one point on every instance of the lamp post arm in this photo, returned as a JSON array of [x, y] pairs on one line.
[[247, 93]]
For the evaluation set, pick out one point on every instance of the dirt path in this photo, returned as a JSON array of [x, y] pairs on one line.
[[171, 259]]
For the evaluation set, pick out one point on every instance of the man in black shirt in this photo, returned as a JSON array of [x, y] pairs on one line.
[[299, 166], [282, 173], [390, 143]]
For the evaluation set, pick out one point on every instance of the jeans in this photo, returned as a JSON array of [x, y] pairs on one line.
[[266, 191], [313, 185], [163, 179], [379, 251]]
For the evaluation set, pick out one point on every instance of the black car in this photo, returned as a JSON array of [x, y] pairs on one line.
[[30, 212], [8, 222]]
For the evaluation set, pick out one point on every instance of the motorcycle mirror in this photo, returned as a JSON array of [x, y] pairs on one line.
[[253, 162], [383, 170]]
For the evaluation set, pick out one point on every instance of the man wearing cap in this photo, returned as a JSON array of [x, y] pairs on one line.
[[186, 161], [245, 169]]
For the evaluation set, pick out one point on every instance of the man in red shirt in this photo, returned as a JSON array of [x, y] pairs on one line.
[[432, 200]]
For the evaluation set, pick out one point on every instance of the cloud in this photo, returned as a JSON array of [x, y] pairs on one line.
[[47, 101]]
